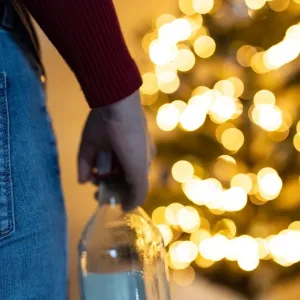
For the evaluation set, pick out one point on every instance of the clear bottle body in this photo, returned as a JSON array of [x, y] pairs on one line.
[[121, 254]]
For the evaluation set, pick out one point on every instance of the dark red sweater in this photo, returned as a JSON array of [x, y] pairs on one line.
[[88, 36]]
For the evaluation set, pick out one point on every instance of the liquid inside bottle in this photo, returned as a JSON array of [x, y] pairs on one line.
[[121, 254]]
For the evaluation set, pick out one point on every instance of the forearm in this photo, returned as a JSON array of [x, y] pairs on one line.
[[88, 36]]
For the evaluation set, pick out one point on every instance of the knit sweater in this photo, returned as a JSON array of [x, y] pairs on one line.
[[87, 34]]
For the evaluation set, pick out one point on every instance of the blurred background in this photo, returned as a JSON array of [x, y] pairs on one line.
[[221, 93]]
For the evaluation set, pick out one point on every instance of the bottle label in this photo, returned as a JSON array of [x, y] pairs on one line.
[[114, 286]]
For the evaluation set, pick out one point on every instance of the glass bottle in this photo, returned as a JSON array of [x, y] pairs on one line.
[[121, 254]]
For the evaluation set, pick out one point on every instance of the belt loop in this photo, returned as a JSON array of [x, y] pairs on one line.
[[8, 16]]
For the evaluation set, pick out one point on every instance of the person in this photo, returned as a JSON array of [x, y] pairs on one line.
[[33, 234]]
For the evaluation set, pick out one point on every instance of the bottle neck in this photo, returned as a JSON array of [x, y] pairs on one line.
[[112, 193]]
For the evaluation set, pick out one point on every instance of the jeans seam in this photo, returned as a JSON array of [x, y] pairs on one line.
[[5, 169]]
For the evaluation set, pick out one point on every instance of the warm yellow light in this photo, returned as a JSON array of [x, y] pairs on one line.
[[185, 60], [279, 5], [198, 236], [264, 97], [164, 19], [242, 180], [184, 277], [186, 6], [182, 171], [186, 251], [269, 183], [169, 87], [221, 128], [174, 260], [225, 87], [158, 215], [241, 248], [255, 4], [249, 263], [171, 213], [222, 109], [244, 55], [238, 86], [188, 219], [297, 1], [295, 225], [200, 90], [205, 46], [214, 248], [166, 233], [203, 262], [285, 247], [150, 85], [202, 192], [166, 73], [232, 139], [263, 250], [296, 141], [147, 40], [161, 52], [202, 102], [203, 6], [167, 117], [258, 63], [192, 118], [268, 117], [234, 199], [174, 32], [180, 105]]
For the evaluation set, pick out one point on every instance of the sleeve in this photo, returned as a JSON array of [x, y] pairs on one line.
[[87, 34]]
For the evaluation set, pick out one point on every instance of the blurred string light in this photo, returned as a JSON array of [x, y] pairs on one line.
[[203, 6], [204, 46], [245, 54], [167, 117], [255, 4], [280, 54], [169, 54], [205, 248], [184, 277], [182, 171], [265, 113], [269, 183], [188, 219]]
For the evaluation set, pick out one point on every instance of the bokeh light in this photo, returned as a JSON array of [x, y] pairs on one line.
[[232, 139], [185, 60], [234, 199], [188, 219], [150, 84], [182, 171], [161, 52], [166, 233], [242, 180], [214, 248], [205, 46], [255, 4], [203, 6], [269, 183], [167, 117], [171, 213], [184, 277], [158, 215]]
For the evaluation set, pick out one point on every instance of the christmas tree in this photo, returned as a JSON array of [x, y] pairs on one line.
[[223, 88]]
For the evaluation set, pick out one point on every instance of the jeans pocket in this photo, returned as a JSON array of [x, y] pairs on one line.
[[7, 225]]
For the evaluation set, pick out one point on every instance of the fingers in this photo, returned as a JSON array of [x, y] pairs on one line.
[[86, 162]]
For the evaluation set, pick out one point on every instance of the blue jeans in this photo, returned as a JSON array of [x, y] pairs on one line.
[[33, 238]]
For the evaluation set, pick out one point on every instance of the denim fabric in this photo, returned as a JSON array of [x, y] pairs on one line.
[[33, 239]]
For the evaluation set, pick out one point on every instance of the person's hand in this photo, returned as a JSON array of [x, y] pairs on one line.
[[119, 128]]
